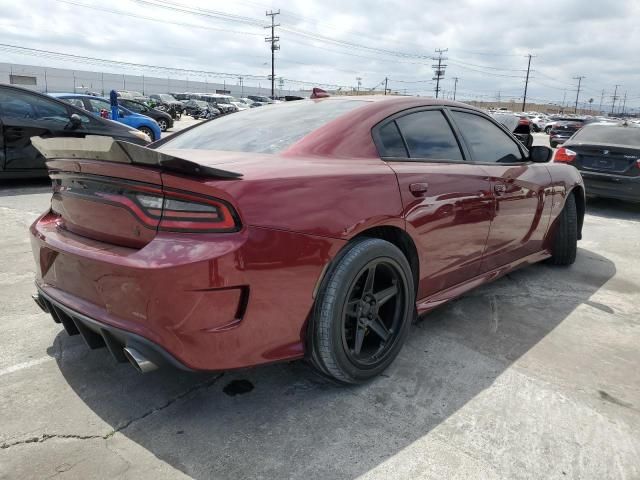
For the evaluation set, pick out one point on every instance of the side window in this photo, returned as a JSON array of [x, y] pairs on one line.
[[428, 135], [391, 142], [97, 105], [134, 107], [487, 141], [22, 105], [76, 102]]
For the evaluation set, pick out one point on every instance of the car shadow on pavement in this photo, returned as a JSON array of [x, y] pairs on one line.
[[12, 188], [284, 421], [612, 208]]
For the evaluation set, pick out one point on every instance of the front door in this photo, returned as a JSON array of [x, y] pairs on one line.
[[518, 186], [447, 202]]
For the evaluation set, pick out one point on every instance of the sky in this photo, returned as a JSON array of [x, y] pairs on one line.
[[333, 43]]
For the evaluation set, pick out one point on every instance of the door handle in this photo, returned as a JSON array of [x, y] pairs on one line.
[[418, 189], [499, 188]]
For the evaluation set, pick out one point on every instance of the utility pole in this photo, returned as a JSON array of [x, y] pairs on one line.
[[241, 86], [274, 46], [624, 103], [359, 80], [579, 78], [281, 84], [615, 97], [601, 99], [455, 86], [439, 68], [386, 80], [526, 84]]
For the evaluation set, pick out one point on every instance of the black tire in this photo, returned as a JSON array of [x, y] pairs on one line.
[[553, 144], [565, 240], [347, 311], [547, 130], [149, 132], [163, 124]]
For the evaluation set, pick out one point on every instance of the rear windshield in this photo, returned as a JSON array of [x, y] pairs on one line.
[[609, 134], [268, 129]]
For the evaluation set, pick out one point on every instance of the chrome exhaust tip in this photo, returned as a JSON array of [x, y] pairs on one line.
[[40, 302], [139, 361]]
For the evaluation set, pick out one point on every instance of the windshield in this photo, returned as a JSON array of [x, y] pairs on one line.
[[609, 134], [263, 130], [167, 98]]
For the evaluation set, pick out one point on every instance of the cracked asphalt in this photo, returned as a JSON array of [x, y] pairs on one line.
[[534, 376]]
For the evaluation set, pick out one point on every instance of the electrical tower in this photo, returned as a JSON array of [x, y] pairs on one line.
[[526, 84], [274, 46], [579, 78], [615, 97], [455, 86], [439, 68]]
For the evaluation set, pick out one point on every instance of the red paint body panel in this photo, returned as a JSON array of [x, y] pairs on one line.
[[219, 301]]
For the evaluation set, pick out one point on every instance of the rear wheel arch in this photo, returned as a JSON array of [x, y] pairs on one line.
[[401, 239], [579, 195]]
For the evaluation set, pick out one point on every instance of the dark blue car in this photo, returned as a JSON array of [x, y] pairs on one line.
[[96, 104]]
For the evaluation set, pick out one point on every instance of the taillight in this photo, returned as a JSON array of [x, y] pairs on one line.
[[564, 155], [182, 212]]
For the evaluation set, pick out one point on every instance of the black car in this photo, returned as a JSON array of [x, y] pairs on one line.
[[163, 119], [167, 103], [608, 157], [25, 114], [200, 109], [563, 130]]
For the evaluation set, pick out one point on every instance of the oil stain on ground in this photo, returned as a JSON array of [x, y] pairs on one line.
[[238, 387]]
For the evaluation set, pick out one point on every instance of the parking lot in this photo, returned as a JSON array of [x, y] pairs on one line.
[[533, 376]]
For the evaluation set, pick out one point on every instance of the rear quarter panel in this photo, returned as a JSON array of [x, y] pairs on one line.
[[336, 198]]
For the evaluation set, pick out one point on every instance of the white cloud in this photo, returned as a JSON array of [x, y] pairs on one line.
[[487, 41]]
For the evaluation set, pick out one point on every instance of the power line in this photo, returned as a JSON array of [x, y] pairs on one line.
[[615, 97], [439, 68], [526, 84], [579, 78], [274, 46]]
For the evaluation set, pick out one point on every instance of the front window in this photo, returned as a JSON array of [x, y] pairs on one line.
[[264, 130], [15, 104]]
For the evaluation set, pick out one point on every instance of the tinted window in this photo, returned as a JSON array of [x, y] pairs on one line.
[[263, 130], [134, 107], [391, 141], [15, 104], [428, 135], [98, 104], [609, 135], [488, 142]]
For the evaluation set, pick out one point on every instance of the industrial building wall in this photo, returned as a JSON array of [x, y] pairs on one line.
[[45, 79]]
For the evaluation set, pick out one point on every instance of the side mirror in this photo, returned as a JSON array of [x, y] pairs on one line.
[[540, 154], [75, 121]]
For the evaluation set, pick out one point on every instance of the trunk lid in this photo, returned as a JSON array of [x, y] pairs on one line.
[[606, 159], [113, 191]]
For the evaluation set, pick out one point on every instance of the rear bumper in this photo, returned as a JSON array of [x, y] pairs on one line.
[[210, 301], [98, 334], [612, 186]]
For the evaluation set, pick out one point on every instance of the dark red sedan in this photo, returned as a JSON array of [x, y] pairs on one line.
[[316, 229]]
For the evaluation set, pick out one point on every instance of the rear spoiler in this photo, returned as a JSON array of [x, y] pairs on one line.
[[106, 149]]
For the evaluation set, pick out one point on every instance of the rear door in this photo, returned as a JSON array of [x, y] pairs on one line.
[[446, 201], [519, 189]]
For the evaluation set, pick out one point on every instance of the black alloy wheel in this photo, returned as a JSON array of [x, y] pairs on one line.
[[363, 311]]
